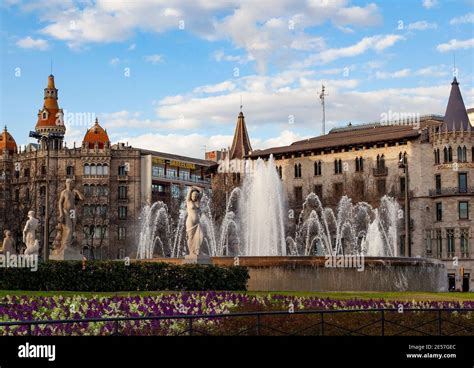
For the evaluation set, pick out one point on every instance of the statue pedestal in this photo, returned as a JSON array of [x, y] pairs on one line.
[[199, 259], [69, 254]]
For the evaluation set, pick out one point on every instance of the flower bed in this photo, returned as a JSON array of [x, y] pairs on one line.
[[14, 308]]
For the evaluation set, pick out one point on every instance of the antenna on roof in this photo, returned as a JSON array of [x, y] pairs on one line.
[[321, 96], [241, 103]]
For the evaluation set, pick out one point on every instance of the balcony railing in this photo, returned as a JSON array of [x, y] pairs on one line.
[[451, 191], [181, 178], [380, 171]]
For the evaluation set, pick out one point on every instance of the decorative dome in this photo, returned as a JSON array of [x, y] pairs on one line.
[[7, 142], [94, 135]]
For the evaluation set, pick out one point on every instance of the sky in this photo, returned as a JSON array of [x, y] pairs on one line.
[[170, 75]]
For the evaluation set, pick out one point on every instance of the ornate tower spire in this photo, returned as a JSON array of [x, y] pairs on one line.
[[50, 117], [241, 143], [456, 117]]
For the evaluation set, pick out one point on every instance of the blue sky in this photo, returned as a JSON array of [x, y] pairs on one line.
[[169, 75]]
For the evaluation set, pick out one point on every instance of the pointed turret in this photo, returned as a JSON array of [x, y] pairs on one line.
[[456, 117], [241, 144], [50, 117]]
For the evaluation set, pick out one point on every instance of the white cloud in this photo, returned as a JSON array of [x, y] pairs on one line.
[[455, 45], [376, 43], [422, 25], [397, 74], [265, 31], [428, 4], [468, 18], [31, 43], [153, 59], [214, 88], [114, 61], [430, 71], [194, 145], [132, 47]]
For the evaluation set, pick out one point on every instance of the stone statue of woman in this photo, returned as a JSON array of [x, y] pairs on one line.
[[8, 244], [67, 214], [194, 232], [29, 234]]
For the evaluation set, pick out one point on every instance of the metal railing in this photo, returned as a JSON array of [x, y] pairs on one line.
[[383, 322], [182, 178], [451, 191]]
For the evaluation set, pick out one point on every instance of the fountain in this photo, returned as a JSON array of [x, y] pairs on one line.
[[254, 229]]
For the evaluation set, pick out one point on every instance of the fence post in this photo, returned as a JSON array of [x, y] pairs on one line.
[[440, 331], [257, 327], [116, 328], [29, 330], [190, 326], [322, 323], [383, 323]]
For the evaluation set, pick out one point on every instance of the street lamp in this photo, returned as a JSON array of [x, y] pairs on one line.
[[403, 164], [45, 138]]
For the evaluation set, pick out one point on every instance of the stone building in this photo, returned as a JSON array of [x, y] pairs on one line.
[[367, 161], [116, 180]]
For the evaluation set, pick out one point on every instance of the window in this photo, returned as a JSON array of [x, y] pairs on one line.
[[338, 166], [297, 170], [381, 187], [436, 155], [462, 154], [122, 192], [87, 169], [439, 211], [438, 183], [462, 182], [122, 232], [317, 168], [122, 170], [105, 169], [428, 243], [448, 154], [298, 195], [184, 174], [450, 242], [359, 163], [318, 190], [100, 170], [69, 170], [380, 162], [280, 172], [122, 212], [26, 173], [171, 172], [464, 243], [45, 115], [93, 169], [463, 209], [338, 189], [175, 191], [158, 171], [439, 243], [402, 158]]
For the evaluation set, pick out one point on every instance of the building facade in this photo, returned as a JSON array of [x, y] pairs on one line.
[[368, 161], [115, 179]]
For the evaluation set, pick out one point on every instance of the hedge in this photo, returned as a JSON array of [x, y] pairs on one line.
[[117, 276]]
